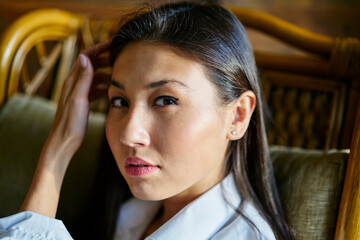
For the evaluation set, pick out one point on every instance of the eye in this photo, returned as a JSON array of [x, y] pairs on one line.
[[163, 101], [118, 102]]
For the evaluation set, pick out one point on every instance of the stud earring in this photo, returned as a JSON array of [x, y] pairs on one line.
[[233, 132]]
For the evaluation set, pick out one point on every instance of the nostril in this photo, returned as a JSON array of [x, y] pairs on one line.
[[130, 129], [135, 138]]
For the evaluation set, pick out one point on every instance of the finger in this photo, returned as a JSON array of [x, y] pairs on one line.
[[101, 78], [97, 49], [70, 81], [101, 61], [95, 90], [100, 83], [74, 74], [86, 74], [97, 94]]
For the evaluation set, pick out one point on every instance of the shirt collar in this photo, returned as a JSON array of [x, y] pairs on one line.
[[213, 209], [134, 216]]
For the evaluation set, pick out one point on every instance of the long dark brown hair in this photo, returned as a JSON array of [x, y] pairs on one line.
[[213, 36]]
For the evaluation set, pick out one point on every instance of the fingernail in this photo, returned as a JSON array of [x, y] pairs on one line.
[[83, 61]]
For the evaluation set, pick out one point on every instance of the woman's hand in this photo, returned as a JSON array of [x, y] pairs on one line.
[[67, 132], [69, 127]]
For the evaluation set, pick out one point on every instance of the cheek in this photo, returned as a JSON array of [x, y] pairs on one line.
[[194, 136], [112, 135]]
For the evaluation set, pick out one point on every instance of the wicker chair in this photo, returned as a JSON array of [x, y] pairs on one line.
[[314, 98]]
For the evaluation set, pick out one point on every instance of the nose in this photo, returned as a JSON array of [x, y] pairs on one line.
[[134, 133]]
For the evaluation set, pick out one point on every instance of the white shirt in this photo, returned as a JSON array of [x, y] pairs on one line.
[[32, 226], [211, 216]]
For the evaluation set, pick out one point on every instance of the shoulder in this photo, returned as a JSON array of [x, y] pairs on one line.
[[29, 225], [247, 222], [251, 225]]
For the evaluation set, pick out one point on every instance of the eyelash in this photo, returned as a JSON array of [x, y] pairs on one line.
[[172, 100], [114, 99]]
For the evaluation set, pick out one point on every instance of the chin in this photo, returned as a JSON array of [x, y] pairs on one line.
[[143, 195], [144, 192]]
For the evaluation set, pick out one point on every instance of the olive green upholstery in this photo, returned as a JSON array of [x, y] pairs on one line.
[[24, 125], [309, 181], [310, 185]]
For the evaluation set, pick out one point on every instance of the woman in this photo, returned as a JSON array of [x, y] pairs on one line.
[[185, 126]]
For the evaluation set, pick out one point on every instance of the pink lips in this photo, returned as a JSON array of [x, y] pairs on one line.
[[137, 167]]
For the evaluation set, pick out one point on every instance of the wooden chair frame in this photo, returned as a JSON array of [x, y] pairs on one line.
[[29, 31], [337, 58]]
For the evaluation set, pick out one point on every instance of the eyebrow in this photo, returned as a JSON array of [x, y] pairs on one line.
[[160, 83], [117, 84], [151, 85]]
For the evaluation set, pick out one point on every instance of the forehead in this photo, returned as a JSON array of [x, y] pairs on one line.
[[143, 62]]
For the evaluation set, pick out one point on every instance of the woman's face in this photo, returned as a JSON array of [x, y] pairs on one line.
[[165, 127]]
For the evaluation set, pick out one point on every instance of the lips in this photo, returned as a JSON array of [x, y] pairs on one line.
[[137, 167]]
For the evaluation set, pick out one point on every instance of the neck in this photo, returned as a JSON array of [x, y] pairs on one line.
[[173, 205]]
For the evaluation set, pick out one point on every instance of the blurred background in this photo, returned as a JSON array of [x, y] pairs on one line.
[[337, 18], [333, 18]]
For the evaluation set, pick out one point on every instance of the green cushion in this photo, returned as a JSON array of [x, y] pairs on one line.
[[24, 125], [310, 185]]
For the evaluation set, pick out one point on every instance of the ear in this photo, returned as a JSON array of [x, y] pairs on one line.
[[242, 110]]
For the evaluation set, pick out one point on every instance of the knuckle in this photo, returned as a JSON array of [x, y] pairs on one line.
[[77, 101]]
